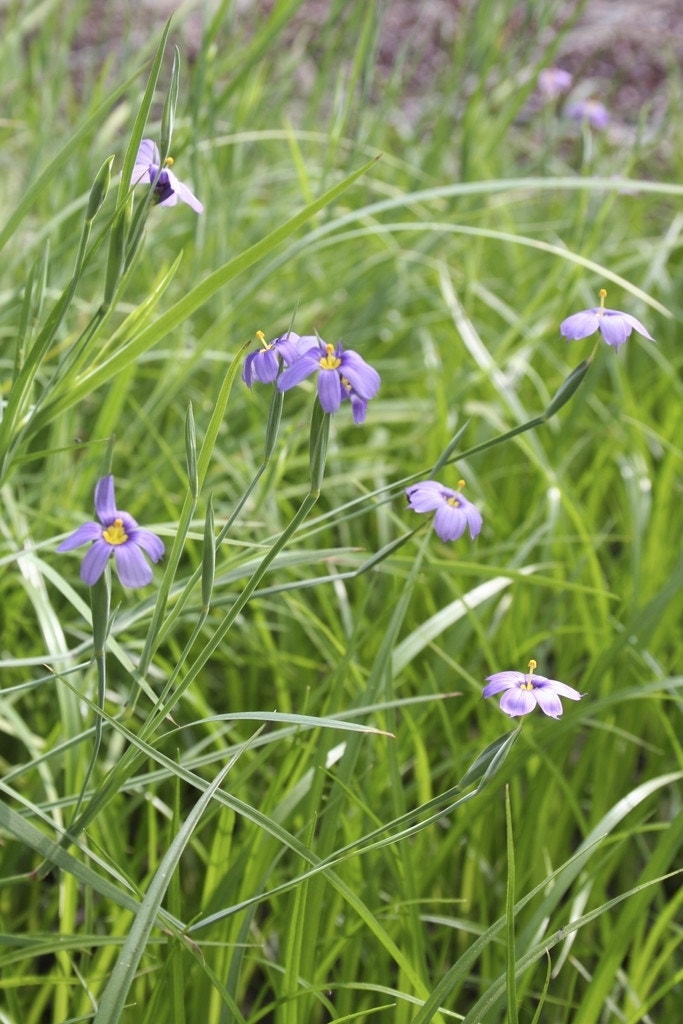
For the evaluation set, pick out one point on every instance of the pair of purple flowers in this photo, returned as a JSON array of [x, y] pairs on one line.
[[342, 374]]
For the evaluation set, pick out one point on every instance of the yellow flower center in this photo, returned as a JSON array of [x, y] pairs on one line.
[[330, 361], [115, 534]]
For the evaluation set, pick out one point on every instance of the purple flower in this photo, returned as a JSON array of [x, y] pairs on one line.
[[614, 326], [342, 374], [552, 82], [592, 111], [264, 364], [117, 534], [454, 513], [524, 692], [167, 188]]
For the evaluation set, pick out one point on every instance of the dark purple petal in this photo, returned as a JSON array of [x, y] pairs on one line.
[[131, 566], [329, 391], [298, 371], [94, 561], [85, 533], [516, 702], [148, 541], [105, 503]]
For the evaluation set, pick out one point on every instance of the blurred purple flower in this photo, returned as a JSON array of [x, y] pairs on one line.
[[552, 82], [117, 534], [264, 364], [454, 513], [167, 188], [592, 111], [341, 374], [614, 325], [524, 692]]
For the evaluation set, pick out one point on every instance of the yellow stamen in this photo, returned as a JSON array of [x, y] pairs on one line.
[[115, 534], [461, 484], [603, 295], [529, 683], [169, 161], [330, 361], [261, 337]]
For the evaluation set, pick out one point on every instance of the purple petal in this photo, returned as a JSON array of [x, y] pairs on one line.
[[329, 391], [473, 516], [149, 542], [94, 561], [261, 365], [105, 504], [502, 681], [85, 533], [363, 378], [131, 566], [560, 688], [614, 329], [183, 192], [548, 701], [306, 342], [287, 347], [449, 522], [428, 496], [298, 371], [516, 702], [637, 326], [580, 325], [359, 407]]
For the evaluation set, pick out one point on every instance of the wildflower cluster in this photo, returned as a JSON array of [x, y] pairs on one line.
[[341, 375]]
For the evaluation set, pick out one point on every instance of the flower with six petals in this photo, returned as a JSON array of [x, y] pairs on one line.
[[454, 513], [523, 692], [167, 188], [117, 534], [341, 374], [614, 325]]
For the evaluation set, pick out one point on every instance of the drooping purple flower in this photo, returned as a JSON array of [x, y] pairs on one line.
[[592, 111], [264, 364], [524, 692], [454, 513], [614, 325], [167, 188], [117, 534], [553, 82], [341, 374]]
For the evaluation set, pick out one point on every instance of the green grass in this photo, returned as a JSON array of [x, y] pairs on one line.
[[266, 787]]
